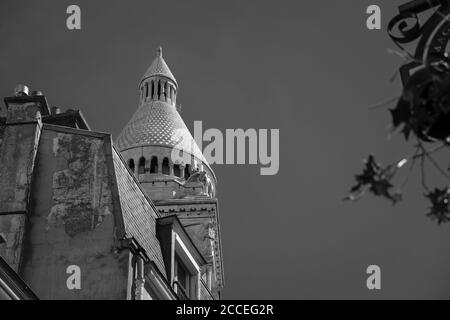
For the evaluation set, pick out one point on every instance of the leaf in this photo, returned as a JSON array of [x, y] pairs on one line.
[[440, 204], [375, 179], [401, 114]]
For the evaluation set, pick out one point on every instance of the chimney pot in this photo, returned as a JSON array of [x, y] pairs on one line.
[[56, 110], [21, 90], [37, 93]]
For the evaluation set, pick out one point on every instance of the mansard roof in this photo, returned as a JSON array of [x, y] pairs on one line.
[[138, 212]]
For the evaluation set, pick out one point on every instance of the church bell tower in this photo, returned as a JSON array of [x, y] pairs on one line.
[[184, 185]]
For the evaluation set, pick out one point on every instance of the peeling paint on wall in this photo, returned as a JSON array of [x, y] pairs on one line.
[[81, 194], [72, 220]]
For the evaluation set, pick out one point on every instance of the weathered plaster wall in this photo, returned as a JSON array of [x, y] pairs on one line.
[[17, 153], [18, 147], [12, 228], [2, 131], [72, 221]]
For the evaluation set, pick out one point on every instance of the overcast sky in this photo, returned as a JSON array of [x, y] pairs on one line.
[[308, 68]]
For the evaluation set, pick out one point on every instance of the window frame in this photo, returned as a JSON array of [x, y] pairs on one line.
[[181, 255]]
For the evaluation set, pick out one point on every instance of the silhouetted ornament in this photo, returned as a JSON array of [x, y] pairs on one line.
[[376, 179], [425, 102], [424, 107], [440, 204]]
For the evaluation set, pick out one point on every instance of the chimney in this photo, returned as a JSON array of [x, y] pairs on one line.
[[22, 107], [17, 157]]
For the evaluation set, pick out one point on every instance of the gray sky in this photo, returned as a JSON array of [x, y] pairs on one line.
[[309, 68]]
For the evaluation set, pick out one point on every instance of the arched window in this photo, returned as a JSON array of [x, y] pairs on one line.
[[131, 164], [146, 89], [153, 89], [141, 167], [166, 91], [159, 89], [165, 166], [187, 171], [177, 170], [154, 165]]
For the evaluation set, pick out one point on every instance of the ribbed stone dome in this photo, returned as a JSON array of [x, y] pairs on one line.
[[158, 123]]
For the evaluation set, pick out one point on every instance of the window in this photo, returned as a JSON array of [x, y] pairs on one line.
[[187, 171], [177, 170], [165, 166], [141, 168], [154, 165], [164, 86], [183, 279], [159, 90], [153, 89], [131, 164], [186, 261], [186, 272]]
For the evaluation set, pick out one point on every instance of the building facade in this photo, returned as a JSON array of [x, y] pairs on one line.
[[85, 218]]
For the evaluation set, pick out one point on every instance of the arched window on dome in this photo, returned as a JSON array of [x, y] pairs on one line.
[[187, 171], [131, 164], [154, 165], [165, 166], [141, 167], [166, 91], [146, 90], [159, 89], [176, 170], [153, 90]]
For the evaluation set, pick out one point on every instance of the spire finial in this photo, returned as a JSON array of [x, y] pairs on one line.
[[159, 51]]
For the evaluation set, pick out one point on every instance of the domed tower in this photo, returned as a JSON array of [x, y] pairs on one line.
[[161, 152], [148, 140]]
